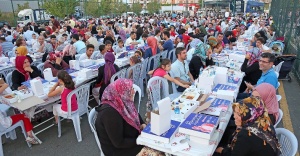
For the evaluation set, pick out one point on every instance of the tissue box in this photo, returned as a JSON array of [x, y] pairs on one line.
[[86, 63], [160, 123], [237, 57], [48, 74], [37, 87], [74, 64], [85, 73], [226, 95], [4, 59], [12, 60], [221, 75]]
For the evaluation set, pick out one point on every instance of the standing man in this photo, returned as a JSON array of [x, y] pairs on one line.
[[55, 22]]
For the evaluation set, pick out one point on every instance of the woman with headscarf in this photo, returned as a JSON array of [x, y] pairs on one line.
[[254, 135], [106, 71], [152, 43], [267, 93], [202, 53], [94, 30], [22, 51], [23, 72], [118, 123], [251, 69], [69, 53], [213, 42], [122, 34], [55, 63]]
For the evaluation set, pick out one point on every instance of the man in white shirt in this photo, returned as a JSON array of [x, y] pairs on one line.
[[27, 33], [89, 52], [9, 37], [34, 39], [42, 46], [131, 40], [78, 44], [91, 40], [260, 44]]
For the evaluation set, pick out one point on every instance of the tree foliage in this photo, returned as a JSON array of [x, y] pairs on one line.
[[153, 7], [22, 7], [60, 8], [92, 8], [136, 8]]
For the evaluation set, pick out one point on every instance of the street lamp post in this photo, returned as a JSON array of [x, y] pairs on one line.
[[12, 5]]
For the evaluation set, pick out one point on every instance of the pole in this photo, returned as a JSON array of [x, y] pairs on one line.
[[202, 4], [12, 5]]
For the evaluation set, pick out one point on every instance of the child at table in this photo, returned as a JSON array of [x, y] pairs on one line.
[[120, 47], [8, 121], [139, 55], [64, 86]]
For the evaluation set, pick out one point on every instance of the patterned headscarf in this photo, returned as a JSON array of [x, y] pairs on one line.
[[212, 41], [22, 50], [201, 50], [255, 119], [118, 95], [254, 56], [195, 42]]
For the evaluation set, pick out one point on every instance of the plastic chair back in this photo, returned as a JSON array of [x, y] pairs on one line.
[[36, 63], [119, 74], [173, 84], [158, 89], [134, 73], [92, 119], [172, 55], [278, 67], [82, 94], [279, 118], [4, 72], [8, 79], [41, 67], [153, 62], [138, 89], [288, 142], [164, 54]]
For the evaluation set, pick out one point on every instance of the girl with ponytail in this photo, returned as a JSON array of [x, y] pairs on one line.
[[63, 87]]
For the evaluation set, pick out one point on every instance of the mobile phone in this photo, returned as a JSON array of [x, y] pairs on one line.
[[245, 82]]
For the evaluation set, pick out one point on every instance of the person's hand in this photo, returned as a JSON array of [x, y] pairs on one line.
[[186, 86], [22, 87], [142, 126], [249, 86], [248, 56], [219, 150], [58, 60], [29, 69]]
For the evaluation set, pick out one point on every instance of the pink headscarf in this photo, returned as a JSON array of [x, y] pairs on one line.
[[152, 43], [268, 94], [118, 96]]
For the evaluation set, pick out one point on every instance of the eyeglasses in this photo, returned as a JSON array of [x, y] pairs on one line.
[[262, 61]]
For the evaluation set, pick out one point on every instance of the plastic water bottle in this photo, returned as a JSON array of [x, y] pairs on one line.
[[177, 111], [201, 70]]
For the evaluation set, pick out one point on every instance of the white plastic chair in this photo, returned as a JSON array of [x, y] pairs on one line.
[[82, 93], [36, 63], [278, 85], [77, 56], [205, 39], [10, 129], [95, 55], [4, 72], [138, 89], [136, 73], [278, 97], [119, 74], [154, 61], [288, 142], [277, 74], [187, 46], [11, 54], [41, 67], [158, 89], [278, 67], [175, 93], [92, 119], [8, 79], [279, 118], [172, 55], [164, 54]]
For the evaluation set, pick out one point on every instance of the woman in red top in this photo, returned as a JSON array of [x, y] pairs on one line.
[[63, 87], [172, 32]]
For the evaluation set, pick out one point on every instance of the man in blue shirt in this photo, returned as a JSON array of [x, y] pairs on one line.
[[79, 45], [168, 45], [6, 46]]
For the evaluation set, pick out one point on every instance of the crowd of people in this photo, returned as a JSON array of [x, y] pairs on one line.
[[118, 123]]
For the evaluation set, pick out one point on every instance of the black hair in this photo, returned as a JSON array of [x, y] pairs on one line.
[[228, 33], [144, 35], [108, 42], [90, 46], [167, 33], [139, 52], [52, 17], [66, 78], [64, 35], [52, 36], [132, 33], [157, 31], [270, 56], [119, 41], [101, 47], [8, 32], [178, 51], [261, 39], [75, 36]]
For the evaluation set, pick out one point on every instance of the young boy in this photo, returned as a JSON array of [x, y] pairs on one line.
[[120, 48], [108, 46]]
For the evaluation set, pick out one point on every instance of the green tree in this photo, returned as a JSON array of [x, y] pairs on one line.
[[105, 7], [153, 6], [136, 8], [92, 8], [119, 7], [60, 8], [22, 7]]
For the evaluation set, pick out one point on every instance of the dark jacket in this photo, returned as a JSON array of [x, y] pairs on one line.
[[18, 78], [196, 64], [252, 74], [116, 136]]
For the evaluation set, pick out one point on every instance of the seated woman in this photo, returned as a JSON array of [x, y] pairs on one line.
[[8, 121], [23, 72], [251, 69], [69, 53], [22, 51], [56, 63], [267, 93], [178, 41], [105, 72], [254, 135], [118, 123], [20, 42], [202, 52], [152, 43], [213, 43], [63, 87]]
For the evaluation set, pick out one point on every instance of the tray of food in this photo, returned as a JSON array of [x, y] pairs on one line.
[[189, 94], [10, 98]]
